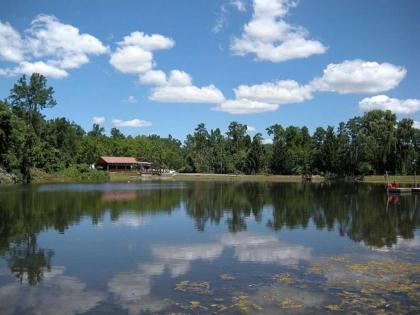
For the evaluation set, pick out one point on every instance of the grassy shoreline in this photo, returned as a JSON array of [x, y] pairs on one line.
[[46, 178], [372, 179], [258, 178], [380, 179]]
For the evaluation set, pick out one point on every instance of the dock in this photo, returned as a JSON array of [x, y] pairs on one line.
[[403, 190], [394, 188], [400, 190]]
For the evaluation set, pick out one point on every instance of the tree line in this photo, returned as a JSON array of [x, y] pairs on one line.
[[373, 143]]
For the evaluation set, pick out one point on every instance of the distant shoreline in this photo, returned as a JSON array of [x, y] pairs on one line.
[[241, 177], [130, 177], [372, 179]]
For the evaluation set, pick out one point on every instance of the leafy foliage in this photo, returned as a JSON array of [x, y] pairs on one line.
[[371, 144]]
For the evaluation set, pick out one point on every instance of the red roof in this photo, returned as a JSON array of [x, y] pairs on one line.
[[119, 159]]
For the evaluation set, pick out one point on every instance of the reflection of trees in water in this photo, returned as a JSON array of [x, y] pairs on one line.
[[27, 261], [359, 212], [210, 202], [26, 212]]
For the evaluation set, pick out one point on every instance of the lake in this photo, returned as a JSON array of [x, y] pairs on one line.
[[208, 248]]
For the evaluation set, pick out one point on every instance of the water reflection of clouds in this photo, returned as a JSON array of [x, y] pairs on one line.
[[131, 220], [132, 290], [177, 258], [277, 292], [408, 243], [247, 248], [401, 243], [266, 249], [56, 294]]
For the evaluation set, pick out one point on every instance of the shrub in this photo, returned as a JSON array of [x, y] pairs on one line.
[[82, 173]]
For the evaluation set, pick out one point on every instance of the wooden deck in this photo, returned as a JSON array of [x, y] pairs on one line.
[[403, 190], [399, 190]]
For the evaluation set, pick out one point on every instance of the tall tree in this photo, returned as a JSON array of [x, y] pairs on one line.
[[278, 156], [97, 131], [28, 99], [255, 157]]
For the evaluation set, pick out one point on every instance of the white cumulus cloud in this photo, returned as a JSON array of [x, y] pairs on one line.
[[147, 42], [132, 59], [63, 43], [265, 97], [48, 47], [134, 53], [131, 123], [153, 77], [359, 76], [179, 78], [178, 88], [187, 94], [280, 92], [269, 37], [385, 102], [11, 46], [245, 106], [41, 67]]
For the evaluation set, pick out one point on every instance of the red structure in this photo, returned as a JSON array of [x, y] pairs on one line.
[[122, 164]]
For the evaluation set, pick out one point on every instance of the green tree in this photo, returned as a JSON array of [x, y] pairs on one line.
[[97, 131], [28, 99], [278, 156], [255, 157]]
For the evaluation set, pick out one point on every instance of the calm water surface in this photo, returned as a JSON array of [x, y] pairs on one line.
[[208, 248]]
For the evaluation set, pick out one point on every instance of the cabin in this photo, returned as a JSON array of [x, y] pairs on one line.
[[122, 164]]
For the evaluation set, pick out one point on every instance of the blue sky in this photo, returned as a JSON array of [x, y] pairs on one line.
[[165, 66]]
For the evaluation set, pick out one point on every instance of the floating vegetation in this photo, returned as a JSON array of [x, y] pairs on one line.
[[333, 307], [333, 285], [289, 303], [192, 305], [280, 295], [375, 286], [226, 276], [285, 278], [195, 304], [244, 304], [219, 307], [195, 287], [315, 269]]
